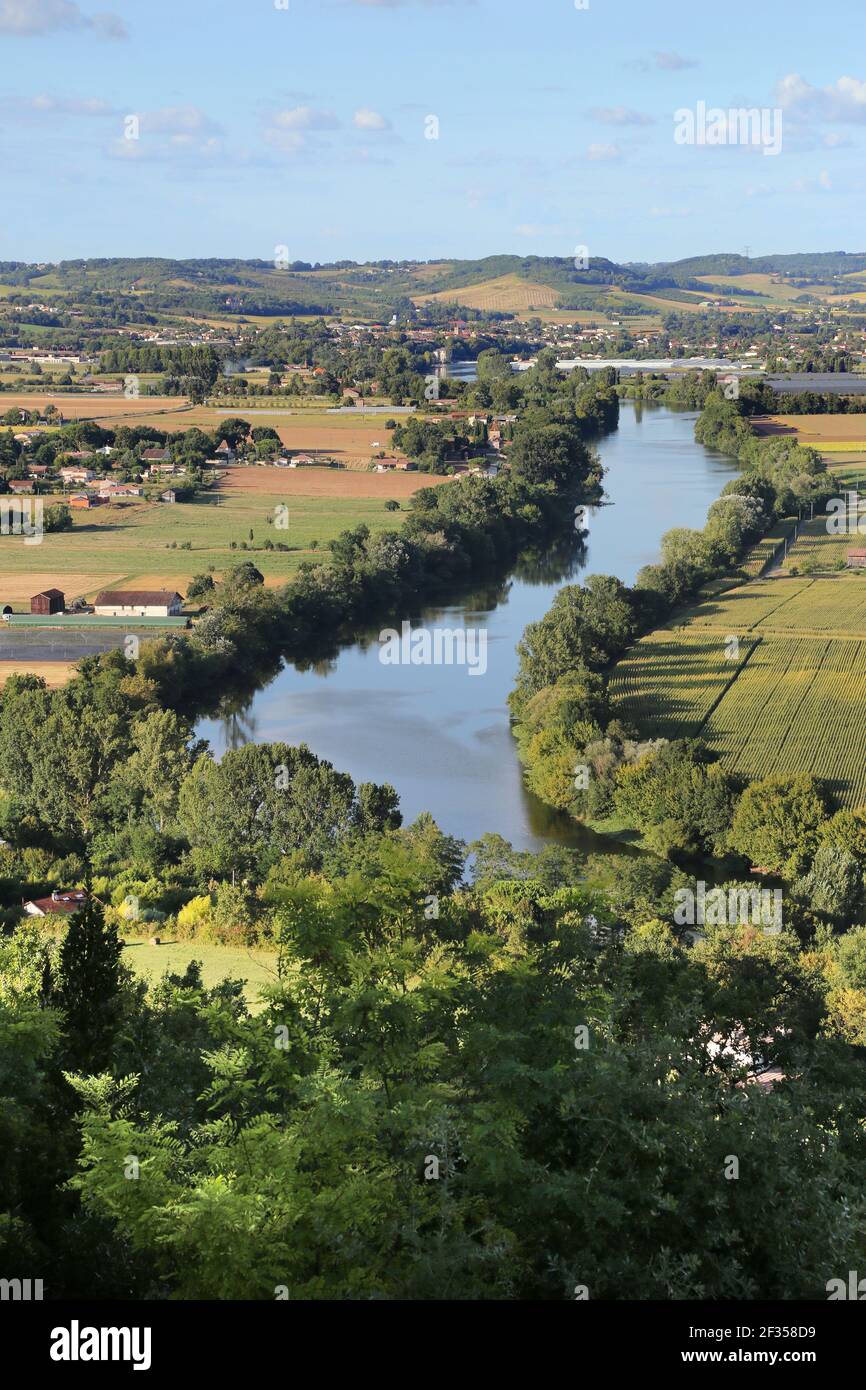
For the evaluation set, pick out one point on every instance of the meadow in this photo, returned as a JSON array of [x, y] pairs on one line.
[[256, 968], [785, 697], [133, 543]]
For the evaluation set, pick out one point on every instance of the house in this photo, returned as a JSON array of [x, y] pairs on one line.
[[301, 460], [76, 475], [156, 456], [225, 451], [856, 558], [82, 501], [169, 496], [21, 485], [106, 489], [157, 470], [387, 465], [38, 470], [138, 603], [58, 904], [49, 601]]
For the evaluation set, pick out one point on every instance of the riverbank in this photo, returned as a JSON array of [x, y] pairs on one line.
[[443, 740]]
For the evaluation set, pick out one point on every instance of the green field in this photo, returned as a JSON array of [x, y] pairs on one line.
[[129, 544], [257, 968], [787, 700]]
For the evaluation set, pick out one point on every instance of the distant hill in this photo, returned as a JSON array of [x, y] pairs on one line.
[[494, 285]]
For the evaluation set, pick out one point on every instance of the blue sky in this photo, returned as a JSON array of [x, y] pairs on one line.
[[262, 126]]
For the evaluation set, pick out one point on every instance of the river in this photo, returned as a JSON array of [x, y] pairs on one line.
[[440, 735]]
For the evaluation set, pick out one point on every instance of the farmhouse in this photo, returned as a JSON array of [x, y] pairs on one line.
[[49, 601], [76, 475], [62, 903], [21, 485], [156, 455], [140, 603], [857, 559], [107, 489]]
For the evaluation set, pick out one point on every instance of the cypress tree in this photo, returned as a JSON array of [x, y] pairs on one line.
[[89, 987]]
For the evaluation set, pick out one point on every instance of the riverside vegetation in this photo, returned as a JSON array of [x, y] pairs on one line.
[[499, 1077]]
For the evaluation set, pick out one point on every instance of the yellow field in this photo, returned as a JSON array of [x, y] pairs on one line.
[[18, 586], [508, 295], [54, 673], [824, 431], [761, 283]]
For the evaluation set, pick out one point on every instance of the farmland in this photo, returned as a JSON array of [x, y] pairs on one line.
[[507, 294], [821, 431], [350, 437], [134, 543], [786, 699]]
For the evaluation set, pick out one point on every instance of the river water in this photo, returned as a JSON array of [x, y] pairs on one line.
[[440, 735]]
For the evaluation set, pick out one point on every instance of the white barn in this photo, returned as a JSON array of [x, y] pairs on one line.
[[138, 603]]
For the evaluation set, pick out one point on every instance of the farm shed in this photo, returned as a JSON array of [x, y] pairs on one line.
[[49, 601]]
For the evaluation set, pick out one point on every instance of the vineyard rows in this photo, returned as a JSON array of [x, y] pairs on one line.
[[788, 704]]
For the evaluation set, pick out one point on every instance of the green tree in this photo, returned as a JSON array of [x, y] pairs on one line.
[[89, 982]]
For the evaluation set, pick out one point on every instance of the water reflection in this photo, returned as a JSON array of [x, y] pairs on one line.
[[441, 737]]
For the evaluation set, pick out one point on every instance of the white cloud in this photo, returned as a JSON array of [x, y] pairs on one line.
[[292, 130], [46, 105], [178, 121], [167, 134], [843, 100], [26, 18], [304, 118], [366, 119], [602, 153]]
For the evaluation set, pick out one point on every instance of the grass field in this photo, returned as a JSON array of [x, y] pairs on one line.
[[129, 544], [257, 968], [786, 700]]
